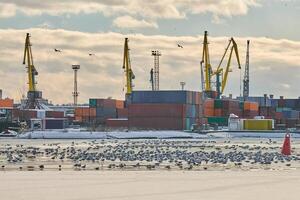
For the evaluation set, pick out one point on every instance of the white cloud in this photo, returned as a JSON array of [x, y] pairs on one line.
[[130, 22], [7, 10], [168, 9], [272, 63]]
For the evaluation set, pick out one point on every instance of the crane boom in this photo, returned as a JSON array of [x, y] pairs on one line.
[[206, 61], [220, 70], [235, 48], [31, 70], [127, 68]]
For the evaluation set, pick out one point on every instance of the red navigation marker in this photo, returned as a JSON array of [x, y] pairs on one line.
[[286, 147]]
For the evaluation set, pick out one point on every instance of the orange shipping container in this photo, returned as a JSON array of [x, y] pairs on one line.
[[88, 112], [209, 104], [218, 112], [119, 104], [6, 103], [78, 112], [208, 112], [85, 112], [250, 106], [78, 118]]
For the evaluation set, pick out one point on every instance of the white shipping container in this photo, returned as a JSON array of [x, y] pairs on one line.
[[41, 114]]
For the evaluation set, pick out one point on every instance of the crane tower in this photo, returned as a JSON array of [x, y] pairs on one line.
[[75, 92], [246, 75], [34, 97], [156, 54]]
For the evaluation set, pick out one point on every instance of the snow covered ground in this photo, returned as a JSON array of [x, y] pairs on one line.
[[77, 134]]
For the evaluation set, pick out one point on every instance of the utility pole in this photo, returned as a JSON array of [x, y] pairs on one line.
[[75, 92], [246, 75], [182, 85], [156, 55]]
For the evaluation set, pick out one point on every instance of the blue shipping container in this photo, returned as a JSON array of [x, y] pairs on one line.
[[178, 97]]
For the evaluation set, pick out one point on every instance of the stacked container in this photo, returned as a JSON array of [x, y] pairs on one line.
[[172, 110], [85, 114], [250, 109], [99, 110]]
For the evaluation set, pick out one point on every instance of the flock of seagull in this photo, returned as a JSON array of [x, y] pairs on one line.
[[143, 154]]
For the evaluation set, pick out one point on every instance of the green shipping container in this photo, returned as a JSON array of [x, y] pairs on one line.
[[93, 103], [282, 109], [187, 124], [218, 103], [241, 105], [221, 121]]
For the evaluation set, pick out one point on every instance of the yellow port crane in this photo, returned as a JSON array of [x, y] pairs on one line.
[[207, 67], [220, 72], [32, 72], [33, 96], [127, 68]]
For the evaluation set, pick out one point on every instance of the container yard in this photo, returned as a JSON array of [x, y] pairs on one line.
[[199, 111]]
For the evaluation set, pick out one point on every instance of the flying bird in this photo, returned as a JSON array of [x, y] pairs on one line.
[[91, 54], [180, 46], [57, 50]]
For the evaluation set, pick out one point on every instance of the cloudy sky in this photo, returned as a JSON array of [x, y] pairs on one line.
[[80, 27]]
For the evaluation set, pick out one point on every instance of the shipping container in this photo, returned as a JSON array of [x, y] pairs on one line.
[[250, 114], [208, 112], [156, 110], [6, 103], [106, 112], [122, 113], [55, 114], [262, 101], [252, 106], [157, 123], [23, 115], [55, 123], [168, 97], [117, 123], [93, 103], [85, 112], [106, 103], [120, 104], [259, 124], [220, 121]]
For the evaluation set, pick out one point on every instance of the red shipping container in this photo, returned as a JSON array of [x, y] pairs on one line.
[[209, 103], [122, 112], [158, 123], [107, 103], [55, 114], [24, 114], [78, 118], [281, 102], [117, 123], [218, 112], [208, 112], [250, 114], [278, 115], [155, 110]]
